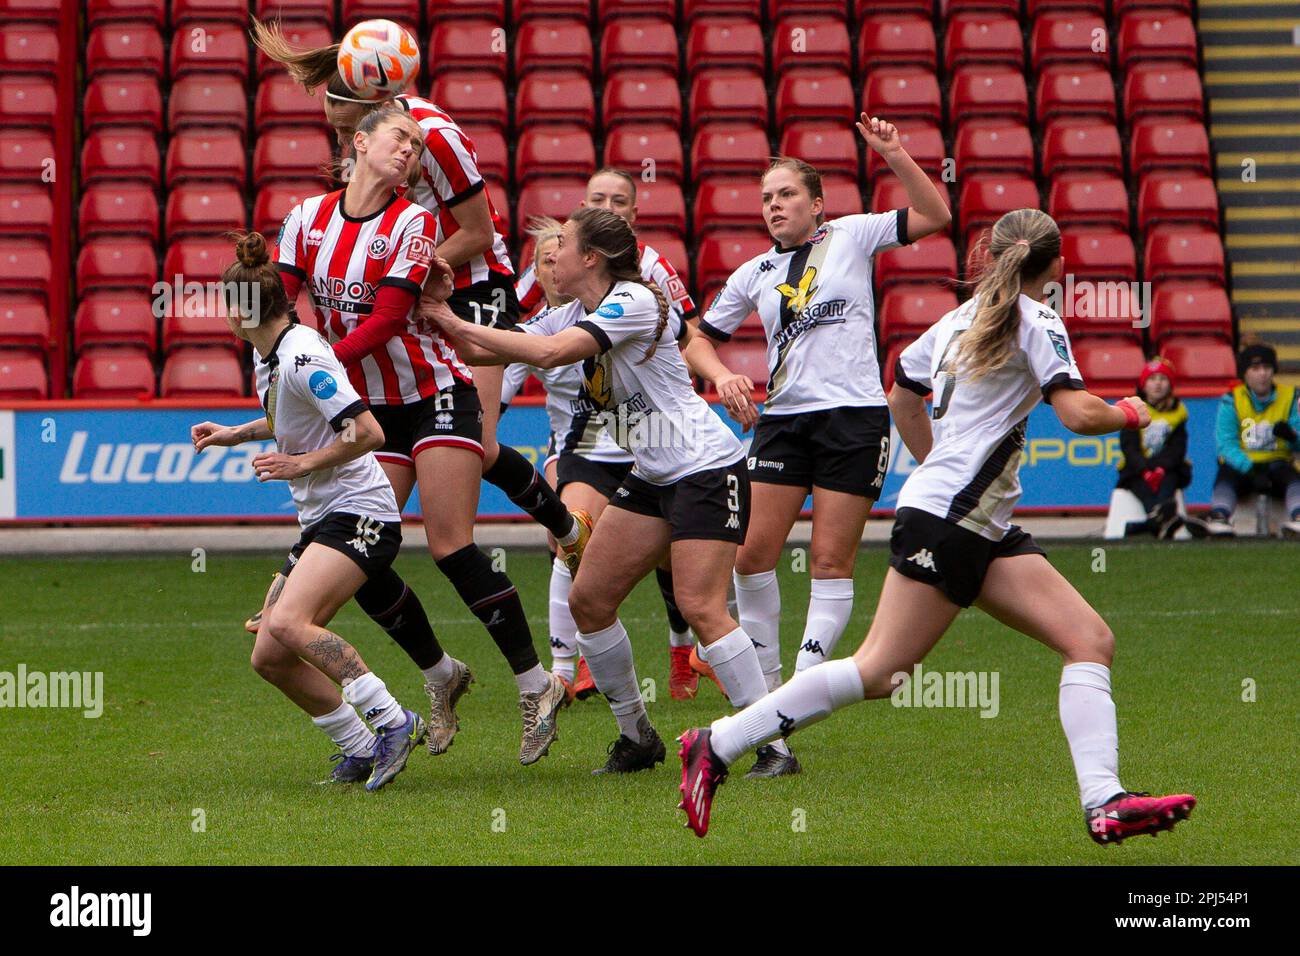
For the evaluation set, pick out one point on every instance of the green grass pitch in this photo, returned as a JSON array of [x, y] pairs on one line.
[[187, 726]]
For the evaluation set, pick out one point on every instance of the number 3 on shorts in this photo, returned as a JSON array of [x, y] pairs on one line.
[[733, 494]]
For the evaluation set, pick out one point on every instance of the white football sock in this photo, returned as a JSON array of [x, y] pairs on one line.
[[685, 639], [734, 658], [571, 537], [347, 730], [829, 608], [609, 656], [564, 632], [1088, 719], [808, 698], [440, 672], [758, 604], [373, 701], [533, 681]]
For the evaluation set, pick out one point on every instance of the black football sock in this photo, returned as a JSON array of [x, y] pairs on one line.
[[525, 486], [491, 597], [395, 607], [675, 619]]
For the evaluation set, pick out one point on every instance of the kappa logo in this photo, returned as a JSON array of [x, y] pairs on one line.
[[300, 360], [733, 523], [787, 724], [358, 545], [765, 266], [813, 647], [924, 559], [558, 644], [623, 493], [378, 248]]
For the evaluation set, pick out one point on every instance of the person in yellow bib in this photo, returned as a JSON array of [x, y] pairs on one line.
[[1155, 465], [1256, 439]]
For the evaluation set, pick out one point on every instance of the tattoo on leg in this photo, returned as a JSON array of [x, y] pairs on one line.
[[274, 594], [336, 657]]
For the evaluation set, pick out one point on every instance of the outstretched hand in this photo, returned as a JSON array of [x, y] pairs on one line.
[[880, 135]]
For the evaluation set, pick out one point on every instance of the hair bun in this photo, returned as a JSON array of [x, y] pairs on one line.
[[251, 250]]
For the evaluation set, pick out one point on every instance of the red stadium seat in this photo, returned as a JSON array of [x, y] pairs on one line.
[[737, 149], [490, 150], [115, 318], [607, 10], [122, 100], [467, 45], [1099, 254], [552, 197], [22, 375], [805, 8], [188, 11], [983, 91], [1177, 197], [112, 264], [196, 323], [32, 101], [749, 9], [117, 210], [800, 41], [204, 209], [739, 95], [291, 152], [724, 41], [831, 147], [628, 146], [107, 11], [1107, 308], [25, 155], [1195, 307], [497, 187], [198, 373], [1002, 145], [949, 8], [1069, 37], [303, 35], [1124, 6], [209, 48], [983, 38], [555, 96], [553, 44], [661, 205], [206, 154], [405, 12], [632, 96], [984, 199], [910, 93], [1072, 91], [722, 252], [26, 209], [472, 97], [113, 372], [923, 142], [888, 192], [1183, 252], [276, 199], [24, 321], [727, 202], [814, 94], [1201, 362], [1087, 144], [553, 149], [748, 358], [293, 13], [671, 248], [842, 196], [890, 364], [212, 99], [119, 47], [932, 259], [638, 43], [889, 41], [1156, 35], [1088, 199], [1163, 89], [1163, 143], [525, 9], [197, 260], [1034, 7], [908, 310], [281, 101], [1109, 363]]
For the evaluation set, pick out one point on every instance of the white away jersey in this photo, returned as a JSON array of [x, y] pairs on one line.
[[971, 476], [577, 427], [816, 305], [649, 407], [308, 401], [344, 260]]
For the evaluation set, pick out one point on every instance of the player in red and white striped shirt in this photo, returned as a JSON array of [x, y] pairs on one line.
[[365, 254]]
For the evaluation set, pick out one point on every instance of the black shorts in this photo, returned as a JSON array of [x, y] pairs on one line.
[[453, 417], [710, 505], [491, 302], [604, 476], [926, 548], [371, 544], [839, 449]]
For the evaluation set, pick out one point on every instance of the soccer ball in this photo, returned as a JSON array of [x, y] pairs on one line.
[[378, 59]]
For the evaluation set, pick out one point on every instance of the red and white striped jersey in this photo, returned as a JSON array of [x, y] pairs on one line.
[[450, 175], [344, 261], [654, 268]]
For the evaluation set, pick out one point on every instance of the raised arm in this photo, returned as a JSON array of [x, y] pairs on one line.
[[927, 210]]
